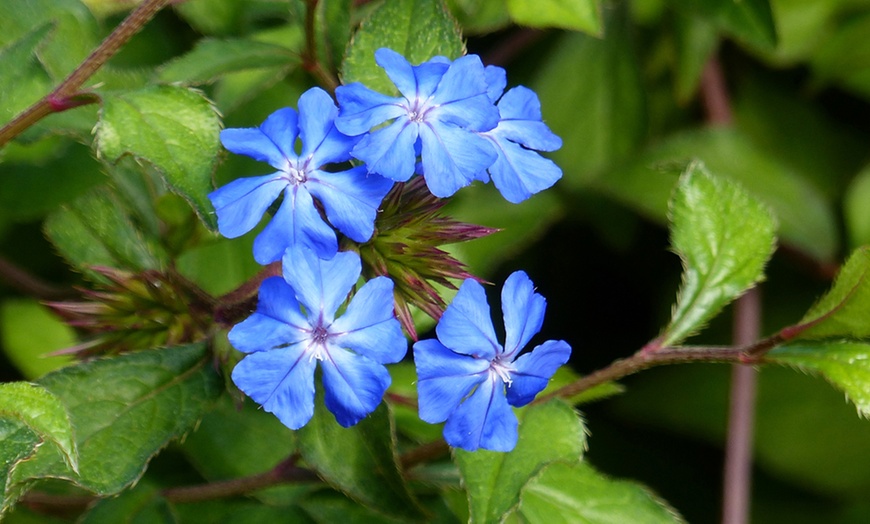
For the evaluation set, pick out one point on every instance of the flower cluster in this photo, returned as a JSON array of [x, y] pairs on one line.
[[453, 124]]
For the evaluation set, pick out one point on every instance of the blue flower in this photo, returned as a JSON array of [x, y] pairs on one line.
[[519, 172], [294, 327], [443, 106], [468, 379], [349, 198]]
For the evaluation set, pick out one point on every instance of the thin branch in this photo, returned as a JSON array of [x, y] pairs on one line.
[[310, 61], [31, 285], [67, 95]]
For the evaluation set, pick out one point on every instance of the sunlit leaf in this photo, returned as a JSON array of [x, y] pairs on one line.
[[579, 15], [28, 332]]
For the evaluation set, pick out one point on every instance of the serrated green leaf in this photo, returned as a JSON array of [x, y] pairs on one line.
[[416, 29], [212, 58], [805, 219], [174, 128], [842, 312], [18, 443], [724, 238], [576, 493], [578, 15], [845, 364], [360, 461], [548, 432], [599, 79], [125, 409], [22, 78], [747, 20], [28, 332], [141, 504]]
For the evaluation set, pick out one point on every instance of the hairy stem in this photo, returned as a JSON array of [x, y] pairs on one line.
[[67, 95]]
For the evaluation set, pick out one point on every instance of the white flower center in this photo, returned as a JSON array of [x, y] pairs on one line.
[[296, 175], [319, 338], [503, 370]]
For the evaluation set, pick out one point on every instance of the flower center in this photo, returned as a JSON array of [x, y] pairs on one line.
[[296, 175], [319, 337], [503, 370], [417, 111]]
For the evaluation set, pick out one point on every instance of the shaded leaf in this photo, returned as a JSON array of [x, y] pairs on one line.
[[212, 58], [568, 493], [696, 41], [480, 16], [19, 442], [548, 432], [22, 78], [579, 15], [333, 30], [747, 20], [843, 57], [28, 332], [174, 128], [143, 503], [238, 511], [724, 238], [360, 461], [416, 29], [857, 212]]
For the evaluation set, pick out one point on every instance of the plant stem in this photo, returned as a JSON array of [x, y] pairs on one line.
[[67, 95], [29, 284], [310, 61]]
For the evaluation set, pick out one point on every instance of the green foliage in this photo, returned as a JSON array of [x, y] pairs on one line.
[[213, 58], [22, 78], [173, 128], [417, 29], [724, 238], [28, 331], [140, 504], [548, 432], [748, 20], [584, 15]]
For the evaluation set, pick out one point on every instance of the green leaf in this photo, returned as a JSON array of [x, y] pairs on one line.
[[28, 332], [805, 219], [125, 409], [696, 41], [416, 29], [845, 364], [212, 58], [842, 312], [360, 461], [239, 511], [333, 26], [548, 432], [480, 16], [724, 238], [19, 443], [842, 57], [567, 493], [22, 79], [174, 128], [856, 210], [747, 20], [578, 15], [599, 79], [143, 503]]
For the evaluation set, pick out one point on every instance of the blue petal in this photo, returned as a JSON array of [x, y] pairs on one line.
[[241, 203], [462, 96], [453, 157], [322, 143], [520, 112], [523, 312], [484, 420], [272, 142], [276, 322], [533, 370], [428, 75], [399, 70], [360, 108], [444, 378], [519, 173], [354, 385], [389, 152], [280, 380], [321, 285], [351, 199], [466, 325], [496, 81], [369, 326], [296, 222]]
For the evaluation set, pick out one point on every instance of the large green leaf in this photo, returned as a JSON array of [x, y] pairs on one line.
[[18, 443], [842, 312], [724, 238], [748, 20], [124, 410], [579, 15], [576, 493], [22, 79], [28, 332], [213, 58], [805, 219], [548, 432], [174, 128], [592, 95], [417, 29], [360, 461], [846, 364]]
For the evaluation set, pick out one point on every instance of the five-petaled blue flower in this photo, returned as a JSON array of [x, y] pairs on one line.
[[443, 107], [350, 198], [468, 379], [519, 172], [284, 341]]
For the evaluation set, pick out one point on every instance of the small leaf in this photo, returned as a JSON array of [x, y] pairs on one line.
[[28, 331], [724, 238], [212, 58], [360, 461], [748, 20], [842, 312], [565, 493], [174, 128], [579, 15], [548, 432], [845, 364], [416, 29], [125, 409], [43, 413]]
